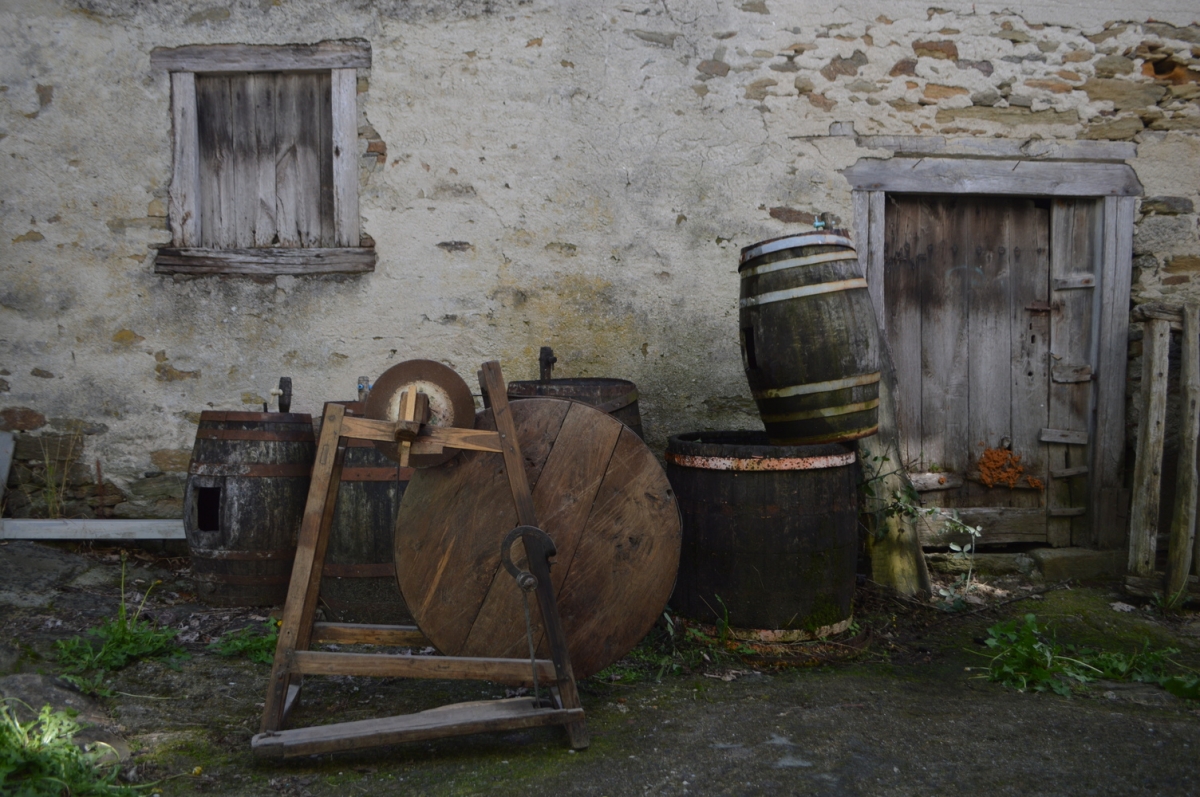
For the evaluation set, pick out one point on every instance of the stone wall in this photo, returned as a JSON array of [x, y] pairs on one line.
[[578, 174]]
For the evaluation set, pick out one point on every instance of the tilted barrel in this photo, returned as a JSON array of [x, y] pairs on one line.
[[810, 342]]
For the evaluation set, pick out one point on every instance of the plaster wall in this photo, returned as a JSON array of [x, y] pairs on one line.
[[578, 174]]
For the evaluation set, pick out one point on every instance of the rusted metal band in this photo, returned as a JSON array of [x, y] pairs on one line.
[[804, 292], [818, 387], [366, 570], [823, 412], [252, 470], [255, 434], [240, 580], [761, 463], [377, 474], [794, 242], [797, 262], [620, 402], [242, 556]]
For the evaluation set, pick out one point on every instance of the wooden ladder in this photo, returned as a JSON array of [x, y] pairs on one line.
[[1157, 323], [294, 657]]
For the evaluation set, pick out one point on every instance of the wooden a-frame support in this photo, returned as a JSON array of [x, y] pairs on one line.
[[294, 658]]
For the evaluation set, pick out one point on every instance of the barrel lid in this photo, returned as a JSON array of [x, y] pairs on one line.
[[793, 241], [751, 451]]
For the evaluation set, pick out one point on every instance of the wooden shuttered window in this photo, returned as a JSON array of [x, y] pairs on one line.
[[266, 160]]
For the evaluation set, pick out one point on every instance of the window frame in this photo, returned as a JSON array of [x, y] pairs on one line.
[[341, 59]]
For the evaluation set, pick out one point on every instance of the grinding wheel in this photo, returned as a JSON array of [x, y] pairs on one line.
[[598, 492], [450, 403]]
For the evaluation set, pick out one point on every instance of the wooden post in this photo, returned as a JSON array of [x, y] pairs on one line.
[[1183, 523], [1147, 483]]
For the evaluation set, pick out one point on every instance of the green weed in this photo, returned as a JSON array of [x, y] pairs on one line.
[[1026, 658], [115, 643], [40, 758], [256, 645]]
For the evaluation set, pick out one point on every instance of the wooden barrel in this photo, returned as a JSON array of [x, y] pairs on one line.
[[246, 489], [770, 533], [617, 397], [358, 582], [810, 342]]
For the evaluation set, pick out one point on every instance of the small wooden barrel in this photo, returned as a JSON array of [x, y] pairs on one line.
[[243, 503], [810, 342], [770, 533], [358, 582], [617, 397]]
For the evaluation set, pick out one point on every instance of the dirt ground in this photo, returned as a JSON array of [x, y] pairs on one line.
[[894, 707]]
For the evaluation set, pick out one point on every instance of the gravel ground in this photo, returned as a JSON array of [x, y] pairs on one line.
[[892, 708]]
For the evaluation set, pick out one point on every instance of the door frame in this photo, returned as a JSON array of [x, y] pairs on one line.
[[872, 179]]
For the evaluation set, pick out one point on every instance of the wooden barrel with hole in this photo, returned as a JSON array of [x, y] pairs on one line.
[[358, 582], [246, 489], [617, 397], [770, 533], [810, 342]]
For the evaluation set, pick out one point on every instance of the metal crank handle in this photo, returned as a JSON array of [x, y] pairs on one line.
[[541, 543]]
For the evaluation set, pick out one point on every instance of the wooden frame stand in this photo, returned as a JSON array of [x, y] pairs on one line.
[[294, 659]]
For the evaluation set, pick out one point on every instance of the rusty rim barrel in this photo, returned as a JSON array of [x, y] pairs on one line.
[[243, 503], [810, 342], [617, 397], [770, 533]]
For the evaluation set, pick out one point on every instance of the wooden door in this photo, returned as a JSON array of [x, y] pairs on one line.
[[989, 316]]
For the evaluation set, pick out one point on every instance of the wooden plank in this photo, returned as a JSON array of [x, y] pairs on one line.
[[1000, 176], [1032, 148], [517, 480], [904, 259], [1027, 239], [444, 721], [296, 627], [944, 328], [322, 115], [985, 249], [273, 261], [288, 181], [214, 123], [1001, 526], [1069, 473], [1108, 453], [344, 54], [244, 163], [875, 246], [1064, 436], [262, 90], [1183, 519], [393, 665], [1071, 282], [90, 529], [1147, 484], [369, 634], [1076, 244], [184, 197], [344, 102], [931, 482]]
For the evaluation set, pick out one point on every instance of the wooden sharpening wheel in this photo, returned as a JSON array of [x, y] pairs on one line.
[[600, 495], [544, 498]]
